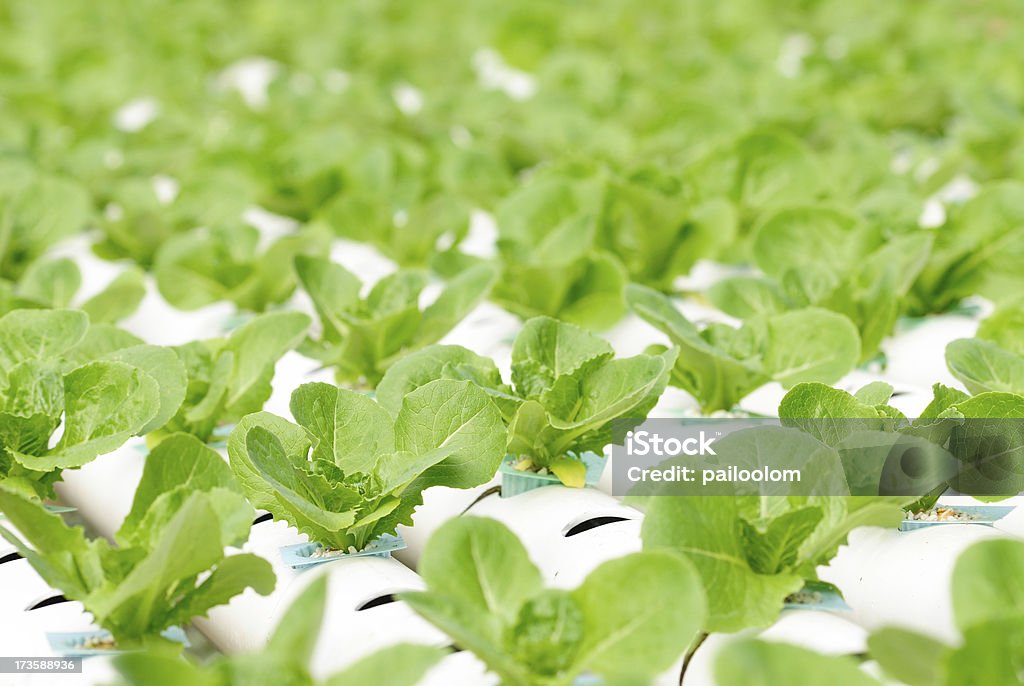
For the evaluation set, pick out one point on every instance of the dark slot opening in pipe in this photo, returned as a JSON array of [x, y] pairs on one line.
[[593, 523], [47, 602], [377, 602]]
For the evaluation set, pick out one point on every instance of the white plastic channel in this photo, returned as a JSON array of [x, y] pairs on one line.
[[545, 518], [903, 579]]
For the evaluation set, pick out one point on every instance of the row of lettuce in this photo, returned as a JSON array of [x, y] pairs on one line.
[[527, 634], [351, 468], [555, 257], [100, 385], [482, 589], [610, 171]]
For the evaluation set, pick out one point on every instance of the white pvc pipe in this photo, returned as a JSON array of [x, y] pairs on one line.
[[348, 634], [24, 634], [541, 519], [244, 624], [903, 579], [158, 322], [918, 356], [440, 504], [460, 669], [20, 587]]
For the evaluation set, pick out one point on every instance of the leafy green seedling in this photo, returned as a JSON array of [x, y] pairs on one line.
[[54, 283], [978, 252], [35, 213], [484, 592], [186, 509], [409, 236], [285, 659], [137, 221], [994, 361], [752, 552], [754, 662], [551, 262], [204, 266], [821, 257], [230, 377], [643, 216], [719, 365], [569, 394], [362, 337], [349, 472], [967, 442], [98, 384]]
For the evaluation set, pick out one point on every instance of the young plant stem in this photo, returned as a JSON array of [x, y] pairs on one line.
[[689, 655]]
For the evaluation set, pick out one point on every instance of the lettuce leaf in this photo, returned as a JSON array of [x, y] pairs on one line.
[[484, 592], [348, 472], [169, 565], [362, 337], [720, 365], [569, 395], [99, 385], [229, 378]]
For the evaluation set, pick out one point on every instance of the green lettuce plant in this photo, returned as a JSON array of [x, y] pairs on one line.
[[551, 263], [484, 592], [994, 360], [98, 385], [343, 167], [753, 552], [978, 251], [644, 217], [362, 336], [751, 661], [825, 258], [719, 365], [36, 211], [961, 441], [230, 377], [53, 284], [569, 395], [349, 472], [410, 236], [757, 171], [231, 263], [754, 546], [137, 221], [167, 564], [988, 610], [285, 659]]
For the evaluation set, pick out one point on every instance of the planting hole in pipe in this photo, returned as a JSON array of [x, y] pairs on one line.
[[10, 557], [385, 599], [47, 602], [592, 523], [265, 517]]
